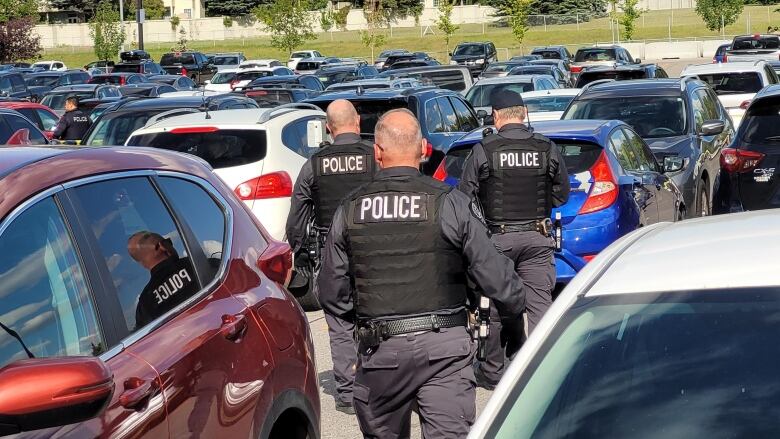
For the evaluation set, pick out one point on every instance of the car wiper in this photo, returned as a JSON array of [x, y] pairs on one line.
[[15, 335]]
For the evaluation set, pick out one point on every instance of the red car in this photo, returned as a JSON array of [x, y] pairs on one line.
[[140, 298], [42, 116]]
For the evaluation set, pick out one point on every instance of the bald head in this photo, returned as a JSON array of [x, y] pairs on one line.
[[342, 118], [398, 140], [149, 248]]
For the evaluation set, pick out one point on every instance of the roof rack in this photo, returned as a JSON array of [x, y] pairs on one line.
[[168, 114], [684, 81], [284, 109]]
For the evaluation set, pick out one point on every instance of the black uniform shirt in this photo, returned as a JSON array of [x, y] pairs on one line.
[[72, 126], [172, 282], [493, 272], [477, 169], [302, 201]]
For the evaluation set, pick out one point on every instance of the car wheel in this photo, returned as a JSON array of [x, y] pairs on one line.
[[704, 208]]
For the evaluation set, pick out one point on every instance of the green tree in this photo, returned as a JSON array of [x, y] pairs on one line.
[[373, 36], [155, 9], [517, 17], [232, 8], [627, 18], [719, 13], [288, 21], [106, 32], [340, 17], [326, 20], [546, 7], [444, 22], [13, 9], [181, 44]]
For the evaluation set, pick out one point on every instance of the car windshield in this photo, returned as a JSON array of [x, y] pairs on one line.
[[251, 76], [335, 77], [113, 129], [547, 54], [542, 104], [221, 149], [650, 116], [689, 365], [42, 80], [523, 70], [594, 55], [270, 98], [170, 59], [226, 60], [761, 123], [106, 79], [301, 55], [43, 66], [469, 49], [57, 101], [136, 91], [733, 83], [223, 77], [587, 77], [479, 95], [753, 43], [308, 65], [502, 67]]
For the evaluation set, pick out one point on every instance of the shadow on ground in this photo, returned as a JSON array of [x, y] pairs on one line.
[[327, 382]]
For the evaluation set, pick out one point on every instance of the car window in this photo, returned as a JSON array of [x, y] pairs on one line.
[[185, 82], [650, 116], [543, 104], [48, 120], [622, 150], [203, 216], [733, 82], [65, 80], [141, 246], [46, 300], [311, 83], [17, 123], [708, 105], [449, 118], [660, 73], [644, 158], [594, 55], [433, 120], [467, 120], [753, 43], [18, 83], [295, 137], [5, 84], [221, 149], [479, 95]]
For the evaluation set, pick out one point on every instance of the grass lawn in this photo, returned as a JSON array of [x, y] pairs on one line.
[[653, 25]]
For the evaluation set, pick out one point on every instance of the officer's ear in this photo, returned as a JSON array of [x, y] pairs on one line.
[[424, 147], [378, 153]]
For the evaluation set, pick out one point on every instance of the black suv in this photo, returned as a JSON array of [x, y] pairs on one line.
[[338, 74], [12, 85], [145, 67], [553, 52], [57, 79], [194, 65], [681, 120], [475, 56], [620, 73]]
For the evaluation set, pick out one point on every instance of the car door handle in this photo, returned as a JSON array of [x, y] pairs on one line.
[[234, 327], [137, 392]]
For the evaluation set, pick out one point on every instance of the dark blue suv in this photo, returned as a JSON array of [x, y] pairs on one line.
[[444, 115]]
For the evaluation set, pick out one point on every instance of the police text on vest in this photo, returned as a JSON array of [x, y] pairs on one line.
[[343, 164], [518, 159], [391, 208], [171, 286]]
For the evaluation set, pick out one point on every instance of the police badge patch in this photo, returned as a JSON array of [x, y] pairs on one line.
[[476, 210]]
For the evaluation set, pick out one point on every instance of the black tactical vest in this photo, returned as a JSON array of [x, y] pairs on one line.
[[401, 263], [518, 188], [338, 170]]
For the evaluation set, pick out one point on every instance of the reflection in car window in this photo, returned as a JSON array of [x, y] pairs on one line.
[[448, 116], [643, 157], [622, 150], [433, 117], [45, 299], [141, 246], [650, 116]]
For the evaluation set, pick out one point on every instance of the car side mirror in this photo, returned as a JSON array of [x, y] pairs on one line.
[[712, 127], [52, 392], [673, 163], [315, 133]]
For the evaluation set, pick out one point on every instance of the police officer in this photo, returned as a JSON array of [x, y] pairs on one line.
[[517, 177], [74, 123], [398, 255], [327, 177]]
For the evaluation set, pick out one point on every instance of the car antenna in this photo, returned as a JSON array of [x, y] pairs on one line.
[[203, 102]]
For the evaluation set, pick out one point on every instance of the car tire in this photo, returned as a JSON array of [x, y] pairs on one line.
[[703, 205]]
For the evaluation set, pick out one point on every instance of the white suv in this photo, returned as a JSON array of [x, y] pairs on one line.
[[302, 54], [735, 83], [257, 152]]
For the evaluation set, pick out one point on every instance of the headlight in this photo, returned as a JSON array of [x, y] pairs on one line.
[[453, 63], [480, 61]]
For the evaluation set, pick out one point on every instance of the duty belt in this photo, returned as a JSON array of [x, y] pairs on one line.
[[506, 228], [433, 322]]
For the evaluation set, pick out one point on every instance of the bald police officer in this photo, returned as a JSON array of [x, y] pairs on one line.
[[398, 255], [326, 178], [517, 177]]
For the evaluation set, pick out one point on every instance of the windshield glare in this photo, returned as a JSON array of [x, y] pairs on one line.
[[115, 129], [470, 49], [690, 365], [650, 116]]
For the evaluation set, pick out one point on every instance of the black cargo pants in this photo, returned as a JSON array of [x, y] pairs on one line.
[[344, 356], [532, 254], [431, 369]]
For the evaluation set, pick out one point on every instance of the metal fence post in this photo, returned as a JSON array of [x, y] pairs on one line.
[[544, 17]]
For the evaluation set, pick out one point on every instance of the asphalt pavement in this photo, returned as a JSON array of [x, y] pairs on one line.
[[337, 425]]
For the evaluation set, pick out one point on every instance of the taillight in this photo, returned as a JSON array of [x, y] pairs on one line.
[[183, 71], [738, 160], [122, 80], [276, 262], [603, 190], [273, 185], [576, 69], [441, 171], [745, 104], [588, 258], [428, 152]]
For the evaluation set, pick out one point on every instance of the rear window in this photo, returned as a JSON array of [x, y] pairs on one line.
[[479, 95], [594, 55], [223, 78], [221, 149], [547, 54], [578, 156], [127, 68], [761, 123], [42, 80], [226, 60], [733, 83], [170, 59], [136, 91], [544, 104], [108, 79], [502, 67], [300, 55], [587, 77], [755, 43], [57, 101], [271, 98], [308, 65], [251, 76]]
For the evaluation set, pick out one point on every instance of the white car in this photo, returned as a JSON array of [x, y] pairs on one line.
[[257, 152], [479, 94], [670, 332], [735, 83], [228, 61], [548, 104], [302, 54], [221, 80], [256, 63], [53, 66], [245, 76]]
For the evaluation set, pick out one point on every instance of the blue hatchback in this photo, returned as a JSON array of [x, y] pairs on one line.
[[616, 186]]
